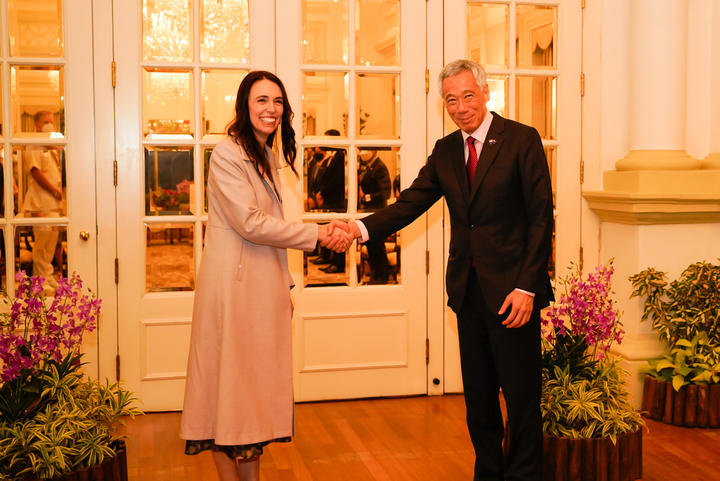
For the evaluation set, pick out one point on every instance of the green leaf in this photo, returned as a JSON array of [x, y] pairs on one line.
[[678, 381], [663, 364], [704, 376], [684, 371]]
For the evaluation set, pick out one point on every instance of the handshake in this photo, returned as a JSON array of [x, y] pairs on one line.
[[338, 235]]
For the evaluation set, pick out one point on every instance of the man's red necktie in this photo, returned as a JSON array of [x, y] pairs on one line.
[[472, 159]]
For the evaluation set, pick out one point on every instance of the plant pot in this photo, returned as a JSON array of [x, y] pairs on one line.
[[692, 406], [595, 459], [111, 469]]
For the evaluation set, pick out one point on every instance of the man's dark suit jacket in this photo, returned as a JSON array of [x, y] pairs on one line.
[[503, 222], [375, 182], [331, 182]]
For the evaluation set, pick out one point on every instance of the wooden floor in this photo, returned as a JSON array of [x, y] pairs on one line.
[[406, 439]]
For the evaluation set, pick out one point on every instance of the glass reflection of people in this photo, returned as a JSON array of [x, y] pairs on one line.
[[330, 195], [374, 191], [43, 198], [330, 180], [396, 187], [238, 395], [313, 165]]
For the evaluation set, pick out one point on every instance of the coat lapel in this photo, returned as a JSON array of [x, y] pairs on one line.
[[275, 176], [490, 148], [271, 180]]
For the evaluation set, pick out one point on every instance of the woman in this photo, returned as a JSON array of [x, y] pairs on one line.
[[238, 396]]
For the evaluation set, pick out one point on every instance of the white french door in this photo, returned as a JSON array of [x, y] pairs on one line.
[[531, 53], [179, 64], [355, 73], [47, 127]]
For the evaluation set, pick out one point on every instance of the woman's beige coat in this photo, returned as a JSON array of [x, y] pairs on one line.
[[239, 376]]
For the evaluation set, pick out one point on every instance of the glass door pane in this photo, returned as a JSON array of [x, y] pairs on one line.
[[35, 28], [377, 32], [167, 30], [225, 35], [325, 33], [536, 34], [488, 33]]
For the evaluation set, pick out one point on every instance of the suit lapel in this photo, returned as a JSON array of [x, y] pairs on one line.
[[490, 148], [458, 163]]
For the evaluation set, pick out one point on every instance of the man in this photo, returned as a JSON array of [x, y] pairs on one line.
[[44, 199], [313, 166], [373, 181], [497, 282], [373, 193], [330, 179]]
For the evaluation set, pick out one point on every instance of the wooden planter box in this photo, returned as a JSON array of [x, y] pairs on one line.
[[692, 406], [112, 469], [595, 459]]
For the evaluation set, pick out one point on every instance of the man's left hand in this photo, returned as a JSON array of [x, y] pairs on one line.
[[522, 307]]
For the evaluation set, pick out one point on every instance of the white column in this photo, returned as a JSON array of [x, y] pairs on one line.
[[658, 62], [703, 82], [699, 80], [658, 46], [712, 161]]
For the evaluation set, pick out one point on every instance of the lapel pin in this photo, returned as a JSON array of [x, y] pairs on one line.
[[492, 141]]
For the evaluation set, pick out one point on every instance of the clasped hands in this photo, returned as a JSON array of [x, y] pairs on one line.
[[337, 235]]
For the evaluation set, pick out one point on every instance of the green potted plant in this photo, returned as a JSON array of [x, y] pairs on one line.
[[683, 388], [591, 431], [55, 422]]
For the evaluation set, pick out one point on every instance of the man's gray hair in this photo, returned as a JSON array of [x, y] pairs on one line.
[[458, 66]]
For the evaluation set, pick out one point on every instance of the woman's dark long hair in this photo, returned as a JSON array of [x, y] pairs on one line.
[[241, 129]]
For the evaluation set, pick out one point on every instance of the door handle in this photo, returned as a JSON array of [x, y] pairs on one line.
[[84, 235]]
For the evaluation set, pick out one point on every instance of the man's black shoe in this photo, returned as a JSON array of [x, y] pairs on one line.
[[332, 269]]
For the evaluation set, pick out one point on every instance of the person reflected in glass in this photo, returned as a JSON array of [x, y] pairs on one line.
[[43, 198], [330, 180], [330, 196], [396, 188], [314, 161], [373, 193], [238, 395]]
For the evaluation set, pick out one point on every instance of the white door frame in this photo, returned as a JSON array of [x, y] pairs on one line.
[[105, 155], [438, 319]]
